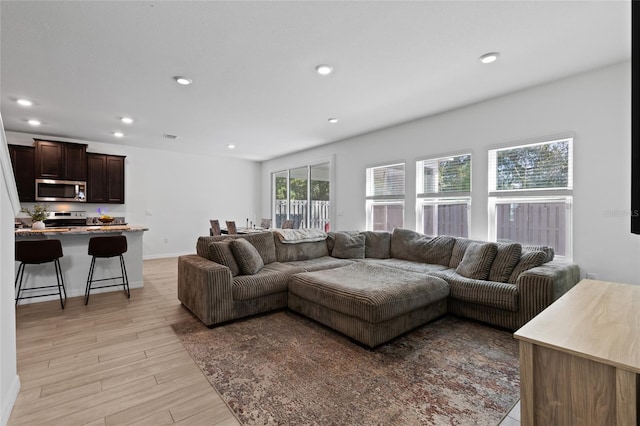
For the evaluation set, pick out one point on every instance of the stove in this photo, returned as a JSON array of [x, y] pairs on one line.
[[66, 219]]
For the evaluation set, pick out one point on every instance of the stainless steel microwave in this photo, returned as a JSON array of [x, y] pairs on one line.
[[61, 190]]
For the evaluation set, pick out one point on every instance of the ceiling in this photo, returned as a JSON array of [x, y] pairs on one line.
[[87, 64]]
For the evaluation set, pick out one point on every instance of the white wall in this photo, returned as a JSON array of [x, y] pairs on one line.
[[9, 380], [173, 194], [595, 106]]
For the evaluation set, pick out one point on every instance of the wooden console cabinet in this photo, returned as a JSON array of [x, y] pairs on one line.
[[580, 358]]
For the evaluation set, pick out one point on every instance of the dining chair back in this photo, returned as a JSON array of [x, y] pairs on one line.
[[215, 227], [287, 224], [265, 223], [231, 227]]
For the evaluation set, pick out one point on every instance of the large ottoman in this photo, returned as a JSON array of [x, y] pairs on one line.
[[372, 304]]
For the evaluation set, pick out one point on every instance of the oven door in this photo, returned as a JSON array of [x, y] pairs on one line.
[[60, 190]]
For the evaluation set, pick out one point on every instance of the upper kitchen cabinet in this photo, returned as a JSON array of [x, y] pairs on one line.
[[105, 178], [60, 160], [22, 161]]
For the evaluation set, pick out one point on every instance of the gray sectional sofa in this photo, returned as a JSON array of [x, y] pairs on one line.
[[371, 286]]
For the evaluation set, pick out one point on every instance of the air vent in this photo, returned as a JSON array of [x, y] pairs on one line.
[[168, 136]]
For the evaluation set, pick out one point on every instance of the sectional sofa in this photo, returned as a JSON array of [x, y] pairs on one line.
[[371, 286]]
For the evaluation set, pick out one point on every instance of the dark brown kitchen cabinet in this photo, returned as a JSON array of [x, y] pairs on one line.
[[105, 178], [60, 160], [22, 161]]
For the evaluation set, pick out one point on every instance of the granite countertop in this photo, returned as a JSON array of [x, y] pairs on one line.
[[76, 230]]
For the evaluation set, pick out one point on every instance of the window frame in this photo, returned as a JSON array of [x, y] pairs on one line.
[[533, 195], [388, 199], [441, 198], [308, 220]]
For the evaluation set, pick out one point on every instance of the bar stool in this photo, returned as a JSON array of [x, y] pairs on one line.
[[35, 253], [107, 247]]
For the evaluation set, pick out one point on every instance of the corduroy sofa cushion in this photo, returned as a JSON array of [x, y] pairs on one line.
[[262, 241], [411, 245], [506, 259], [265, 282], [528, 260], [477, 260], [247, 256], [348, 246], [480, 292], [377, 244], [220, 252]]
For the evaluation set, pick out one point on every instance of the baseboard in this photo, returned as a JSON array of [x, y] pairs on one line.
[[165, 255], [10, 400]]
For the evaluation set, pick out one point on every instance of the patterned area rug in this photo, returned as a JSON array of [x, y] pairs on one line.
[[282, 368]]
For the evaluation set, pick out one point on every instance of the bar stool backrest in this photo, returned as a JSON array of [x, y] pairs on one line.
[[107, 246], [38, 251]]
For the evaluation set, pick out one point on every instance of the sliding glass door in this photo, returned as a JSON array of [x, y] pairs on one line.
[[301, 195]]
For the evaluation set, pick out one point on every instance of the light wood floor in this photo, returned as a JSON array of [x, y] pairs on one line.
[[114, 362]]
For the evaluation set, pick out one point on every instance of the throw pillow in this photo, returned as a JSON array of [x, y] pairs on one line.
[[220, 252], [477, 260], [247, 256], [377, 244], [506, 259], [528, 260], [548, 251], [348, 246]]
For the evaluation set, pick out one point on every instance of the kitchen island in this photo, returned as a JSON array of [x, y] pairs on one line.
[[75, 261]]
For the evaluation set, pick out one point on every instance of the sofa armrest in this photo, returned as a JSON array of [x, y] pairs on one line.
[[538, 287], [205, 288]]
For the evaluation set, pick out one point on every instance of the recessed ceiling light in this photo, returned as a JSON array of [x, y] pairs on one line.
[[333, 120], [324, 69], [24, 102], [118, 134], [183, 80], [34, 122], [231, 146], [487, 58], [127, 120]]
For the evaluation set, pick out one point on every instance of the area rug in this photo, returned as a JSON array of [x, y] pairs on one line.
[[285, 369]]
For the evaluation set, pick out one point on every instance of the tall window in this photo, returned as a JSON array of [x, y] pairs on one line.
[[530, 194], [302, 195], [385, 197], [444, 195]]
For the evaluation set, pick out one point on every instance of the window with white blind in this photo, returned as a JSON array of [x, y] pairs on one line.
[[443, 200], [531, 193], [385, 197]]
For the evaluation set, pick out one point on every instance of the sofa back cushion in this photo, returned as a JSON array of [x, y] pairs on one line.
[[528, 260], [262, 241], [506, 259], [377, 244], [331, 238], [299, 251], [220, 252], [349, 246], [247, 256], [411, 245], [477, 260]]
